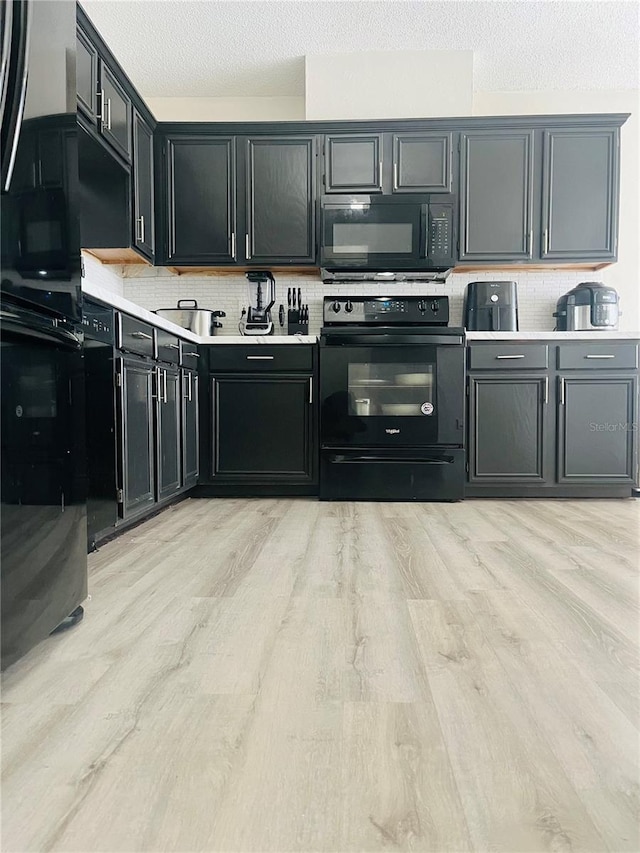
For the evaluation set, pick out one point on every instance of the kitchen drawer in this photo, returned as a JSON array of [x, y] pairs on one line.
[[189, 356], [136, 336], [258, 357], [508, 356], [168, 347], [600, 355]]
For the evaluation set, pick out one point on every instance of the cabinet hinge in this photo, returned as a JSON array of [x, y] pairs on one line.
[[118, 380], [119, 496]]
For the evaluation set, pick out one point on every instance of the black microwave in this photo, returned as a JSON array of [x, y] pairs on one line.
[[374, 232]]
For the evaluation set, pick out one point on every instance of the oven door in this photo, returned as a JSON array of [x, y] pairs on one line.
[[392, 394], [373, 232]]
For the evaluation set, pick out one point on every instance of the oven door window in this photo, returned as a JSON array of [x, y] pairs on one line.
[[391, 395], [390, 388], [378, 233]]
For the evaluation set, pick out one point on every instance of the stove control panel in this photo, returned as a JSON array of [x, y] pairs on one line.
[[98, 321], [386, 310]]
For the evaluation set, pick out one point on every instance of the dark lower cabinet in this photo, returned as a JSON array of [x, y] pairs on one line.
[[597, 429], [568, 430], [509, 437], [190, 454], [136, 435], [168, 433], [262, 427]]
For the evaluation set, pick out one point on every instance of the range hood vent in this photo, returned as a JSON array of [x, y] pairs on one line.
[[341, 276]]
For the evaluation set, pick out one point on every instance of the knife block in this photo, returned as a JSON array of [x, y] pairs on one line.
[[294, 325]]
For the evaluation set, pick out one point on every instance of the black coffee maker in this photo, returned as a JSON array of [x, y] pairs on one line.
[[491, 306]]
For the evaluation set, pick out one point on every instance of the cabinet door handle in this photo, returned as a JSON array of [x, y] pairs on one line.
[[599, 356], [246, 246], [108, 113], [172, 346], [562, 384], [140, 235], [166, 398], [509, 356], [311, 389], [100, 115], [142, 336], [546, 390], [380, 174], [546, 241], [259, 358], [395, 176], [531, 243], [233, 245], [190, 379], [192, 354]]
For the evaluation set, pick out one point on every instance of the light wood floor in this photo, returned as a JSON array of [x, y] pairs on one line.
[[289, 675]]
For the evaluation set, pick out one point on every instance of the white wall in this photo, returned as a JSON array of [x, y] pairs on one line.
[[625, 274], [227, 109], [389, 84]]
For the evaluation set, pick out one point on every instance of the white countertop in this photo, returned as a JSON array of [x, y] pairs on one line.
[[553, 336], [122, 304]]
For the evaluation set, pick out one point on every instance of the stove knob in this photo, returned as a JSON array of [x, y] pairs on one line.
[[335, 307], [421, 306], [349, 306], [435, 306]]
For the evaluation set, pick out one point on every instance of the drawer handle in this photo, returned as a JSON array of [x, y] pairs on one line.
[[599, 356], [172, 346], [509, 356], [143, 336], [259, 358], [191, 354]]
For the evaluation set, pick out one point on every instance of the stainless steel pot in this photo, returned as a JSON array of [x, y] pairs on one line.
[[202, 321]]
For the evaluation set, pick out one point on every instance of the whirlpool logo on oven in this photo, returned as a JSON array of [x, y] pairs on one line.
[[392, 431]]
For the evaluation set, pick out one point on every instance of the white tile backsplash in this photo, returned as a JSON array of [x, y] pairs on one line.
[[156, 287], [107, 276]]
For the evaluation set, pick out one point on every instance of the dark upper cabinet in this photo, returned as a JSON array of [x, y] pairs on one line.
[[168, 446], [115, 112], [280, 199], [136, 440], [580, 193], [512, 446], [143, 198], [496, 195], [282, 449], [102, 100], [86, 75], [353, 163], [422, 162], [190, 457], [200, 214], [597, 422]]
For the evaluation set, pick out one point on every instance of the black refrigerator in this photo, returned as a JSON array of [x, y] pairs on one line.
[[43, 528]]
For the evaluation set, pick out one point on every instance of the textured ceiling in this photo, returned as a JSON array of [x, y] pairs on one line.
[[180, 48]]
